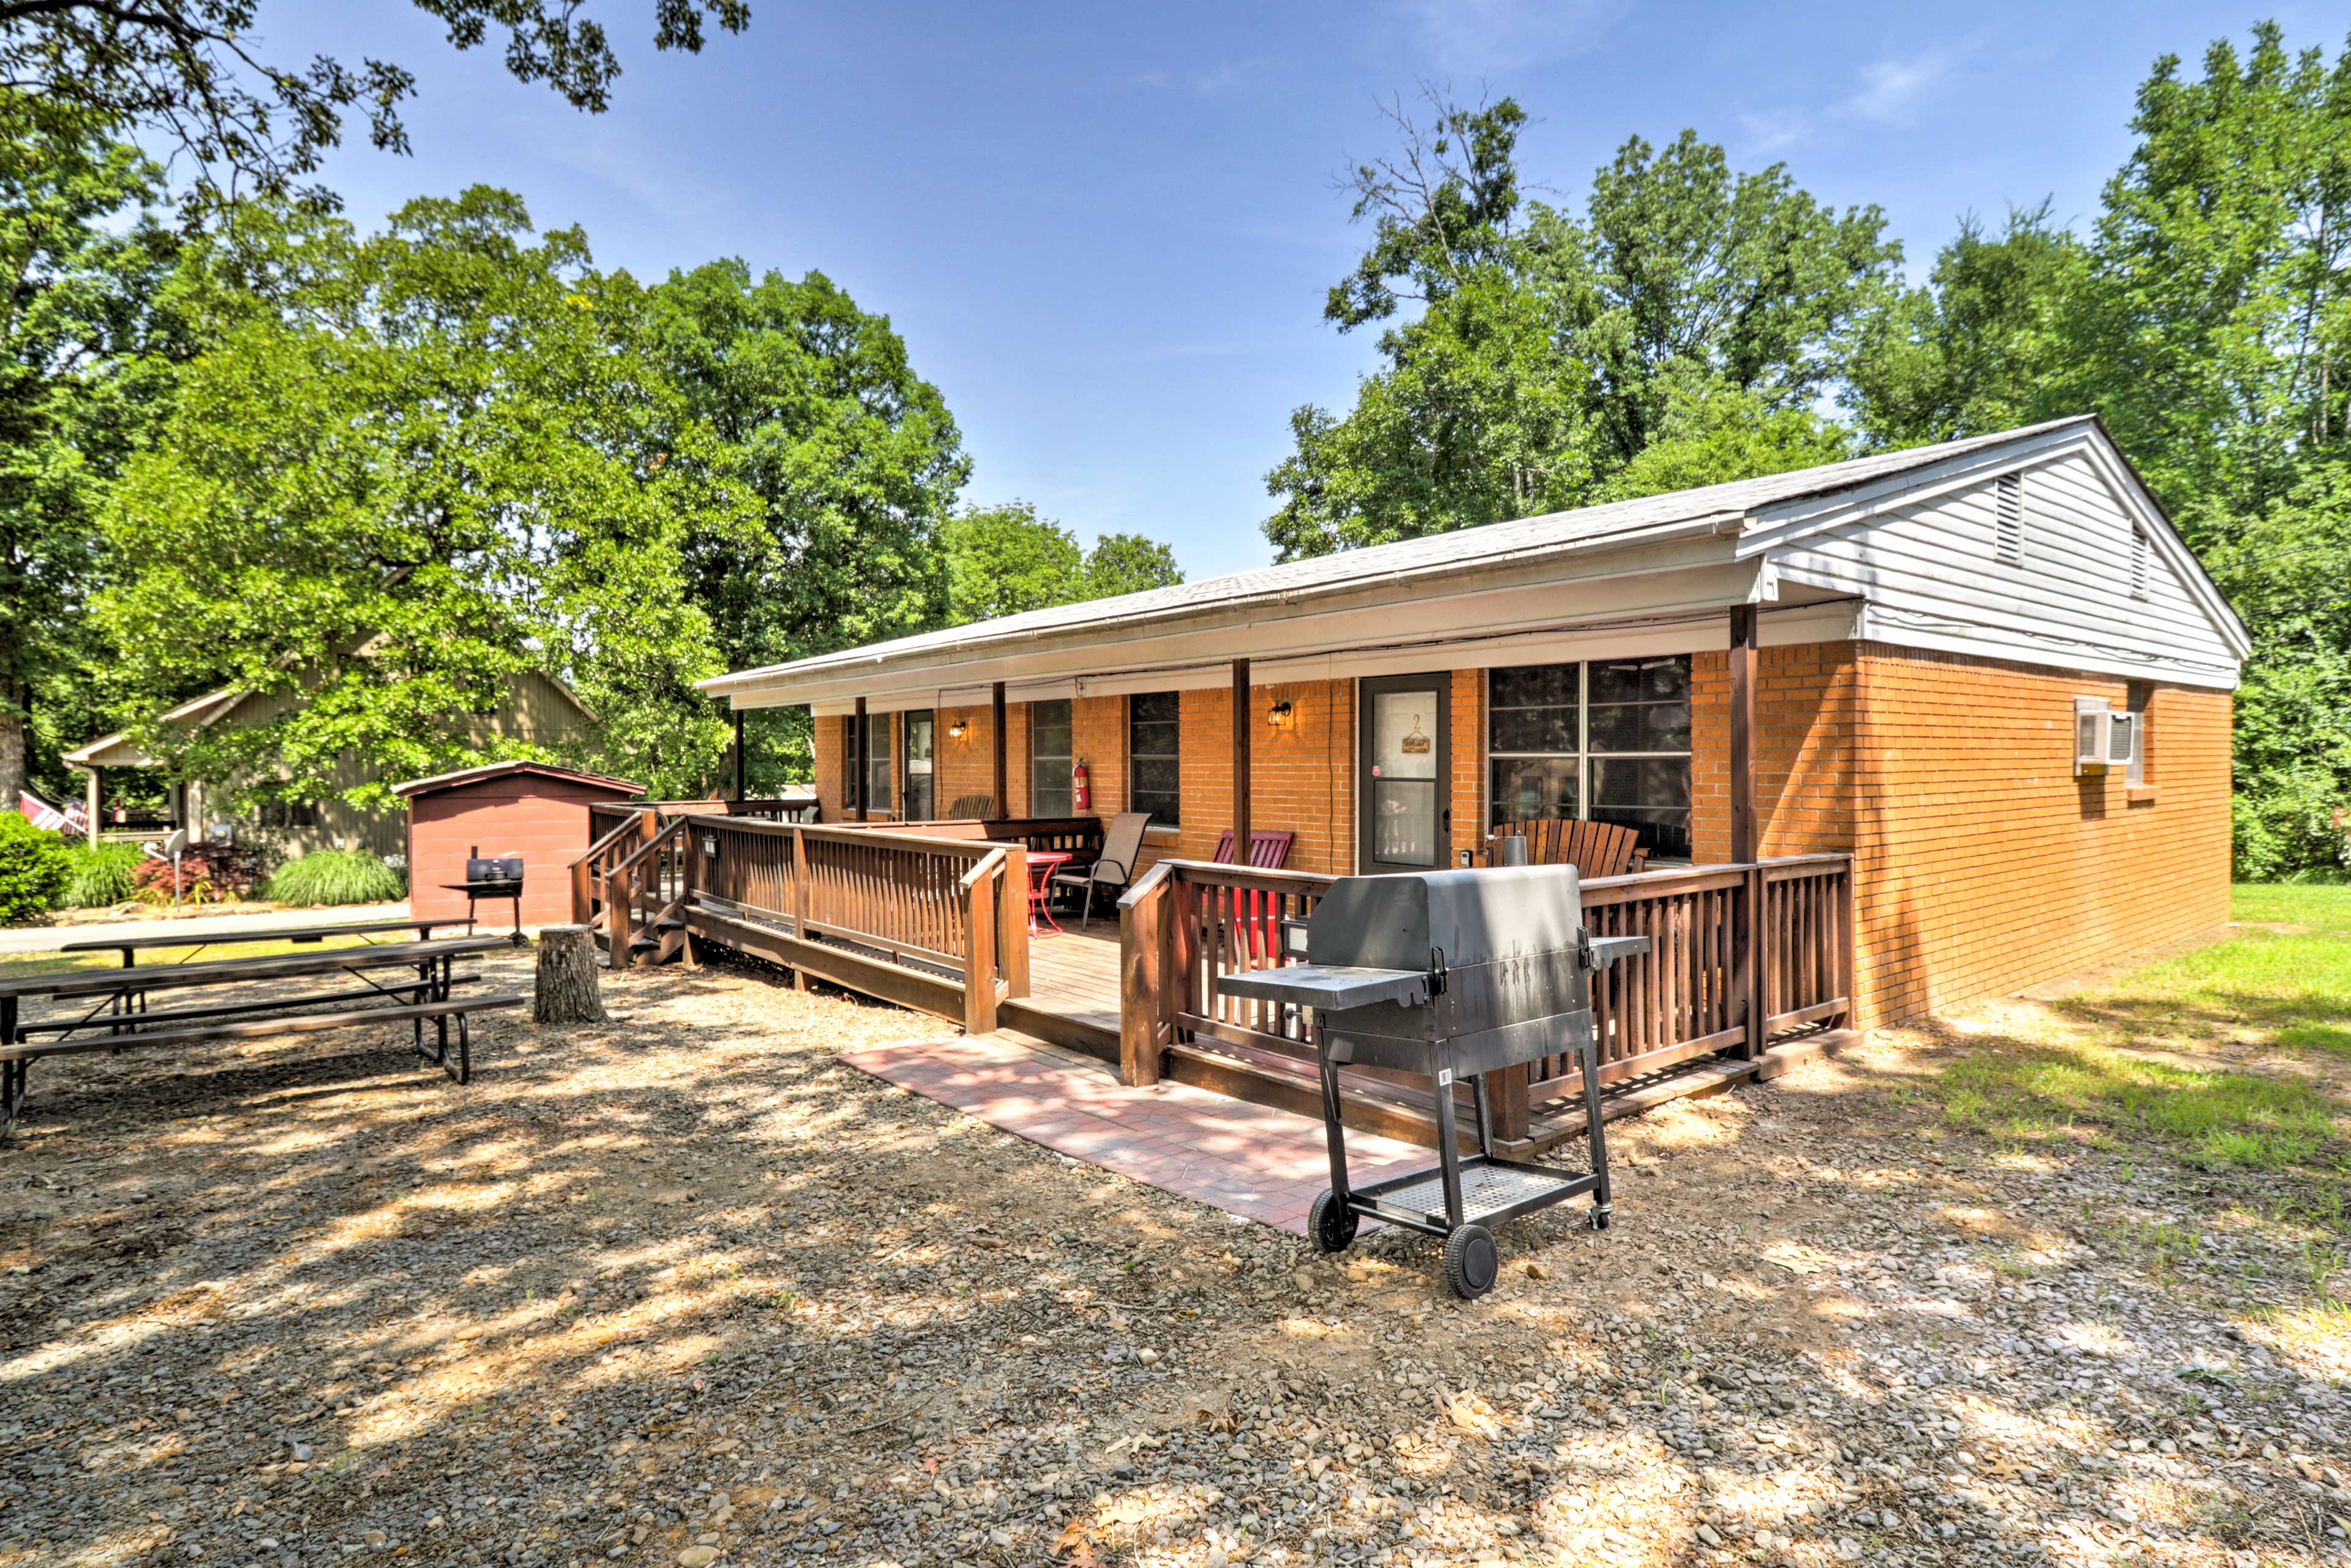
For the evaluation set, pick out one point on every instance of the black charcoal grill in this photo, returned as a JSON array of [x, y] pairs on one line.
[[492, 876], [1449, 975]]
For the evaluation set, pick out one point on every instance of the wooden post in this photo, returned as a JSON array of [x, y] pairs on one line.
[[689, 883], [617, 900], [1506, 1102], [1003, 802], [1012, 920], [740, 793], [1244, 732], [94, 792], [1744, 838], [979, 959], [857, 763], [799, 900], [1845, 938], [584, 890], [1747, 947], [1142, 977], [566, 990]]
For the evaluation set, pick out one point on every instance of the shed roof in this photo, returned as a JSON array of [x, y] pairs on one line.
[[1525, 538], [464, 776]]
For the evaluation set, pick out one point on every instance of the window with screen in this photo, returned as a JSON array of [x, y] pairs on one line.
[[921, 802], [880, 730], [1153, 764], [1608, 740], [1049, 758]]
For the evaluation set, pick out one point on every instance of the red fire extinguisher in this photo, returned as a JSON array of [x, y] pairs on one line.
[[1082, 798]]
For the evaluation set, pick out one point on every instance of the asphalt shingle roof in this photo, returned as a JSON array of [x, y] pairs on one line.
[[1553, 533]]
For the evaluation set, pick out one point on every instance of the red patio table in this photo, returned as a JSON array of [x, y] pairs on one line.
[[1042, 864]]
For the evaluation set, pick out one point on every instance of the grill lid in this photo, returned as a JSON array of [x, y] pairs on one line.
[[494, 868], [1470, 917]]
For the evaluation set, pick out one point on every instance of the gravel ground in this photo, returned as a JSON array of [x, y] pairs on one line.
[[689, 1291]]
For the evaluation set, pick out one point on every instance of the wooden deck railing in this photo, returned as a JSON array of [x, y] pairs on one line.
[[1078, 836], [846, 901], [604, 816], [1186, 924]]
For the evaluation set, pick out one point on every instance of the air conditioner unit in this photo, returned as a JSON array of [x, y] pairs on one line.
[[2103, 739]]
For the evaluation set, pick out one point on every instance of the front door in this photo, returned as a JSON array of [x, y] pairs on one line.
[[1405, 772]]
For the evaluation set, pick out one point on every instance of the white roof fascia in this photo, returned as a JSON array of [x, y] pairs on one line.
[[1252, 608], [1696, 573]]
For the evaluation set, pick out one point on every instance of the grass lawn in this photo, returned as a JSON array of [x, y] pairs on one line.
[[2236, 1055]]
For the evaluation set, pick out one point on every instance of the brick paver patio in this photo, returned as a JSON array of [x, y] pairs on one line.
[[1248, 1160]]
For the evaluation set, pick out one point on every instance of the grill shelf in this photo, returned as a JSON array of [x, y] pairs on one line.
[[1492, 1191]]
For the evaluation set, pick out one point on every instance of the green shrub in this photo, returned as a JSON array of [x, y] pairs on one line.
[[336, 876], [96, 876], [32, 870]]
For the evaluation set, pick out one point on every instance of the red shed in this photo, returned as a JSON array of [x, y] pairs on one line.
[[532, 809]]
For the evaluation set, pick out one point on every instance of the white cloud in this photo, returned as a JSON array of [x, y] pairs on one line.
[[1889, 93], [1891, 89], [1489, 35]]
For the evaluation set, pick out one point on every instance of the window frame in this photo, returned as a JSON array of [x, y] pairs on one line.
[[880, 762], [1067, 758], [1584, 755], [1133, 773]]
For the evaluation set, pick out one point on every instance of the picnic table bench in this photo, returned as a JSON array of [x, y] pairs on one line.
[[129, 946], [119, 1018]]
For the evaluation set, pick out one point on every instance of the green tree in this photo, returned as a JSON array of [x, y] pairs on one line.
[[1715, 434], [1129, 564], [187, 72], [813, 407], [1547, 353], [411, 465], [88, 342], [1982, 346], [1002, 561]]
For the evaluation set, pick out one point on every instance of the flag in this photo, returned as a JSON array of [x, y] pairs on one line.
[[47, 817]]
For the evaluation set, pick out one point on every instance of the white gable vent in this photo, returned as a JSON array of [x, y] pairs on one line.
[[2138, 547], [2007, 528]]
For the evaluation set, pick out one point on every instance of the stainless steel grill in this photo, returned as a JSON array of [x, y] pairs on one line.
[[1450, 974]]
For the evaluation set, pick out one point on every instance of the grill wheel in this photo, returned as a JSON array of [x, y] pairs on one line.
[[1331, 1224], [1471, 1261]]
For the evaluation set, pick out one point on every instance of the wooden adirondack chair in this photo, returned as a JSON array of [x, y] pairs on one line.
[[972, 807], [1593, 849], [1259, 911]]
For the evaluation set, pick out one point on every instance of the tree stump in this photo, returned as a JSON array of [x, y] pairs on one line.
[[567, 989]]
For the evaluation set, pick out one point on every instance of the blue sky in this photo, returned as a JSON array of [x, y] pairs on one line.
[[1106, 231]]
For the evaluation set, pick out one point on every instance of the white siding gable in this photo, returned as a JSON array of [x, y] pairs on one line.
[[2079, 570]]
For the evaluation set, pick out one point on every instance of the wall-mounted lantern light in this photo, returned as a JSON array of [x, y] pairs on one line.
[[955, 730], [1280, 715]]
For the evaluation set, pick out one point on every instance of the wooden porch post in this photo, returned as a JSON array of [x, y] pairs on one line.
[[94, 771], [857, 763], [1747, 944], [738, 754], [1243, 734], [1742, 733], [1003, 803]]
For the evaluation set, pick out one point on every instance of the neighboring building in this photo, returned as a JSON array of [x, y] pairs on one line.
[[1906, 648], [536, 709], [525, 810]]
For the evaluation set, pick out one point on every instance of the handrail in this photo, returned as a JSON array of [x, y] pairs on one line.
[[661, 835], [1739, 953], [988, 864]]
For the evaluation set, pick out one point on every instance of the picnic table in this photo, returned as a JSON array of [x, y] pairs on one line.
[[130, 946], [118, 1016]]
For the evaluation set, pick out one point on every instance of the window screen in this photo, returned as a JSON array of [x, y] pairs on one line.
[[1153, 755], [1049, 758], [1608, 740], [921, 802]]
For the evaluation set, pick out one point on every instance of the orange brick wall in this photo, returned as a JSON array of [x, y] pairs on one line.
[[1983, 865]]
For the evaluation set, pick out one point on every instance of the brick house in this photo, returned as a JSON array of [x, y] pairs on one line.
[[1895, 658]]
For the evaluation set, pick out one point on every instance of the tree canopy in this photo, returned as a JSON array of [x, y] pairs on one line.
[[188, 71], [1002, 561]]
